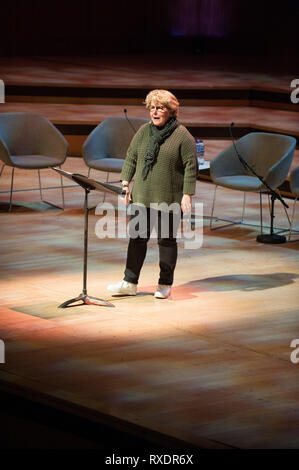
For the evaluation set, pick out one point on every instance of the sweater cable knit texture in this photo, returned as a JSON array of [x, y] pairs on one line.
[[173, 174]]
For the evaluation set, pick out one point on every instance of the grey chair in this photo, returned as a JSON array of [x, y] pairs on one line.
[[294, 184], [270, 155], [31, 142], [106, 146]]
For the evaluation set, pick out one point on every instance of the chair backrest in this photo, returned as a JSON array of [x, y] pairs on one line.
[[261, 151], [30, 134], [111, 138]]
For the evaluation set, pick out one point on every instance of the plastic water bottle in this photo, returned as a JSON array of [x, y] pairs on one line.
[[200, 149]]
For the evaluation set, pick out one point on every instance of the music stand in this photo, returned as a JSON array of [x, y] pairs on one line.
[[88, 185]]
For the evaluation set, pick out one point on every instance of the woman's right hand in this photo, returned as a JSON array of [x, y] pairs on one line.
[[126, 198]]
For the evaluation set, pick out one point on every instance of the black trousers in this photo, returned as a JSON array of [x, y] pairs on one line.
[[167, 246]]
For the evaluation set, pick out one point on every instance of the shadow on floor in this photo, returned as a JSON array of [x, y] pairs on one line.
[[241, 282]]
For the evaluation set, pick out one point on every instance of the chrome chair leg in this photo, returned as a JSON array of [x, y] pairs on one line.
[[286, 213], [2, 169], [11, 189], [41, 194], [40, 185], [292, 219], [261, 211], [244, 203], [62, 190], [213, 206]]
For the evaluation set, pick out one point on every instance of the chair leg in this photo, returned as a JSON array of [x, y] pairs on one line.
[[292, 219], [213, 205], [244, 203], [261, 211], [285, 209], [62, 190], [107, 179], [41, 194], [40, 185], [11, 189], [2, 169]]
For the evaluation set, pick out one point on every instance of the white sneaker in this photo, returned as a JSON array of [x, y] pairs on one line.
[[162, 291], [123, 288]]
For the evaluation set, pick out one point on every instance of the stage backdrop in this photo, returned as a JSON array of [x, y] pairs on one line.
[[57, 27]]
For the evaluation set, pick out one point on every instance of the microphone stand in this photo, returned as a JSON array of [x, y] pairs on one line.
[[271, 237]]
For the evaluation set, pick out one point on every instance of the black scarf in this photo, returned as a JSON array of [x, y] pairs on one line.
[[157, 137]]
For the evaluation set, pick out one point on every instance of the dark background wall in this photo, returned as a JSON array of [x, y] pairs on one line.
[[57, 27]]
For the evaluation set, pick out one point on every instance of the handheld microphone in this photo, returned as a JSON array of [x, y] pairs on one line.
[[125, 112]]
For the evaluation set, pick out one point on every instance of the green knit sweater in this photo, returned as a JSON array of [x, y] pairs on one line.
[[173, 174]]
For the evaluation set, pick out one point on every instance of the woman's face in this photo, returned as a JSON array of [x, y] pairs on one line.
[[159, 114]]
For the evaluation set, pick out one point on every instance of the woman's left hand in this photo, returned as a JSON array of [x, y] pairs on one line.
[[186, 203]]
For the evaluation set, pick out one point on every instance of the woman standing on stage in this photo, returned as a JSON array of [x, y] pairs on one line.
[[162, 160]]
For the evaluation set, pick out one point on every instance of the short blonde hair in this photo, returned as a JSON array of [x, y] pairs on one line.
[[163, 98]]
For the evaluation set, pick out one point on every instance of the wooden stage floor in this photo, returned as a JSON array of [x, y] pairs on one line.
[[211, 366]]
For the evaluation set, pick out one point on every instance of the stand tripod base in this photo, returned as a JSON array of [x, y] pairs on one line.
[[86, 300], [271, 238]]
